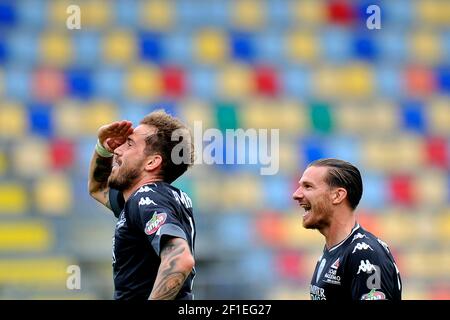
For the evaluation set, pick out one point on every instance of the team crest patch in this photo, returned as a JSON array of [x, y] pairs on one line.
[[155, 222], [374, 295]]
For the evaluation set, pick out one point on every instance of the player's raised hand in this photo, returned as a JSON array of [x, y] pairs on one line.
[[112, 135]]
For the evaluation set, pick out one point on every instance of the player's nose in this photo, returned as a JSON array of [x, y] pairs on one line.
[[298, 194]]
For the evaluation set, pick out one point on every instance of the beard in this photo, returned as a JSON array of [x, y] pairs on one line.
[[123, 178], [319, 217]]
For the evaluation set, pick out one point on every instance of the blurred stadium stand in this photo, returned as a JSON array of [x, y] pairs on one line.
[[379, 98]]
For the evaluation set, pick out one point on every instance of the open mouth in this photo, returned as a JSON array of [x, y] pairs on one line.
[[307, 209]]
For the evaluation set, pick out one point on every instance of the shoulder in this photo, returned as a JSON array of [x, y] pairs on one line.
[[366, 246]]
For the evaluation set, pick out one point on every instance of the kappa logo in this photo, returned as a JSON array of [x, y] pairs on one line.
[[358, 236], [145, 189], [366, 267], [146, 201], [335, 264], [155, 222], [361, 246]]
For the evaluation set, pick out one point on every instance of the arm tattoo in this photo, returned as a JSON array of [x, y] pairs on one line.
[[106, 195], [102, 169], [170, 279]]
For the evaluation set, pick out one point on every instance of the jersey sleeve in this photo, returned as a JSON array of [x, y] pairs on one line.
[[157, 219], [367, 270], [116, 201]]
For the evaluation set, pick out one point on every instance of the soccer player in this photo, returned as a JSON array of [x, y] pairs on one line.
[[355, 264], [131, 172]]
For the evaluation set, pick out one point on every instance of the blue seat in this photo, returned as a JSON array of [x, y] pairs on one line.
[[79, 83], [336, 44], [150, 46], [8, 13], [242, 45], [296, 82], [365, 47], [41, 119], [413, 116]]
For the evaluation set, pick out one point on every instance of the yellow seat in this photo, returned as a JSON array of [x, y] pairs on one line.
[[12, 120], [427, 265], [352, 118], [425, 47], [31, 157], [211, 46], [399, 228], [35, 272], [248, 14], [439, 115], [407, 152], [24, 236], [357, 81], [309, 12], [247, 194], [58, 13], [299, 237], [236, 81], [95, 14], [443, 226], [13, 198], [96, 114], [382, 118], [197, 111], [327, 82], [119, 47], [266, 114], [433, 12], [157, 14], [144, 82], [53, 194], [302, 46], [376, 154], [68, 119], [56, 48], [432, 188]]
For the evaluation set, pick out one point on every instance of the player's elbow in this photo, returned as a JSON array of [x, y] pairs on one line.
[[186, 263]]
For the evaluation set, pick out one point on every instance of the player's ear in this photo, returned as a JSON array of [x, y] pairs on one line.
[[153, 162], [338, 195]]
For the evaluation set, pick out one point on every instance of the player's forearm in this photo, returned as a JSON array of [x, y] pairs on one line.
[[99, 171], [176, 265]]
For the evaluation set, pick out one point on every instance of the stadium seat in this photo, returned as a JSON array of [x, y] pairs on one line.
[[13, 122], [40, 272], [439, 115], [425, 47], [248, 14], [302, 47], [119, 47], [95, 114], [31, 236], [210, 46], [235, 81], [46, 189], [48, 85], [30, 157], [321, 117], [308, 13], [13, 199], [96, 14], [56, 49], [144, 82]]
